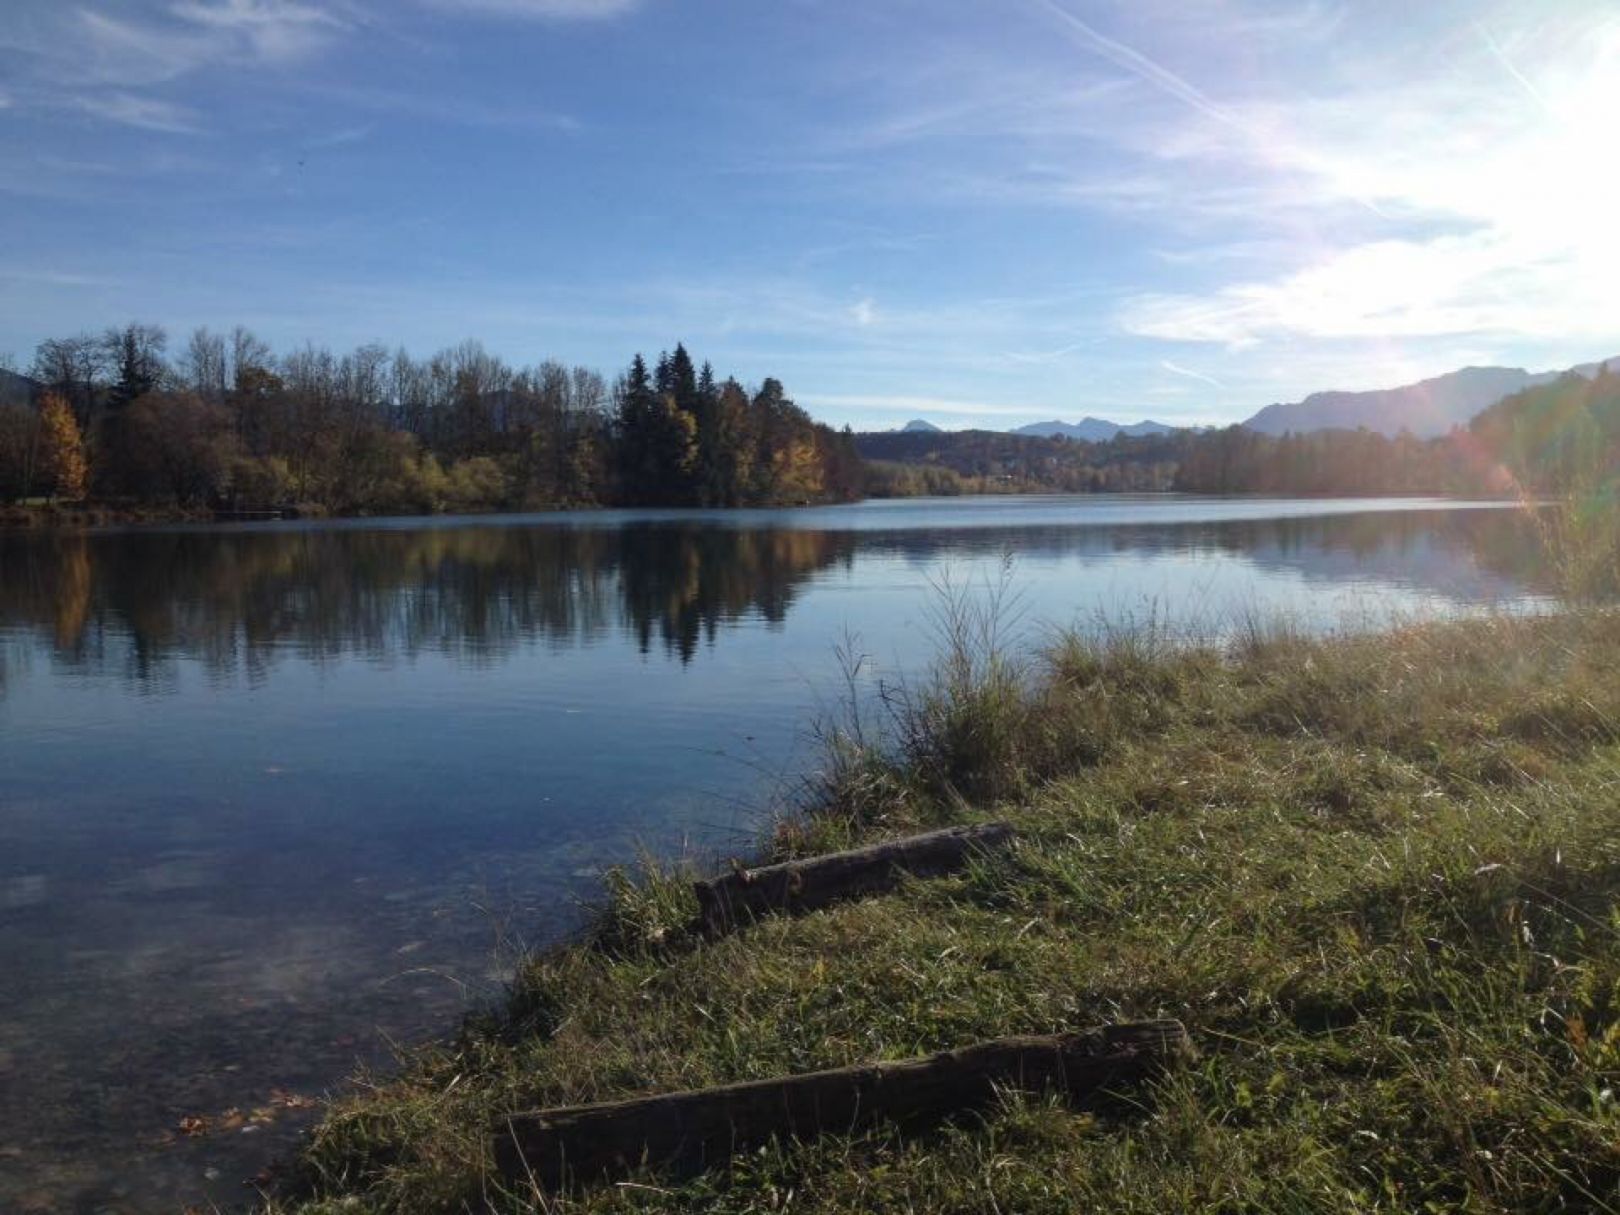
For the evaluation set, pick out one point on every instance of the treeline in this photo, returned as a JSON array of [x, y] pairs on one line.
[[987, 461], [1237, 460], [1548, 438], [227, 422]]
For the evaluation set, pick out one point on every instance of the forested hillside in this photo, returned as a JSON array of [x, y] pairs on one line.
[[229, 422], [1561, 442], [1557, 437]]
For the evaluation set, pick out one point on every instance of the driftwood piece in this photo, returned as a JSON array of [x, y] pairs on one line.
[[793, 886], [684, 1133]]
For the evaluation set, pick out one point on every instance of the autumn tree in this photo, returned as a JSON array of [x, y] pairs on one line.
[[65, 467]]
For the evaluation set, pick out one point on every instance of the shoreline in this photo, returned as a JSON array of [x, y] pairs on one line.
[[88, 518], [1302, 758]]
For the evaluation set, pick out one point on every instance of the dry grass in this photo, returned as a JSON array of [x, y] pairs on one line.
[[1377, 878]]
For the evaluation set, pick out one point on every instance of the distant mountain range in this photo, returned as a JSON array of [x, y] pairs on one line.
[[1093, 430], [1086, 430], [1428, 408]]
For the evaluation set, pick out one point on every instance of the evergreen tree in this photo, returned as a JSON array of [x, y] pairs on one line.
[[136, 352], [633, 429], [683, 384], [711, 487]]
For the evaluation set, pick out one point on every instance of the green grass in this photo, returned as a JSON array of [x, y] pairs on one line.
[[1377, 877]]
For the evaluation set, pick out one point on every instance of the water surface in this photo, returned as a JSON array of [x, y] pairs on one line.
[[273, 796]]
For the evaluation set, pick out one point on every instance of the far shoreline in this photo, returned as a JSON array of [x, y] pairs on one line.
[[84, 518]]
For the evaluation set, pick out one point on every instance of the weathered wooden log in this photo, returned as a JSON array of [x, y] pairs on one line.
[[793, 886], [687, 1132]]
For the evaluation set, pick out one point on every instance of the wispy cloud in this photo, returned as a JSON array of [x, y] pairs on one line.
[[461, 111], [1175, 368], [547, 10], [1140, 65], [342, 136], [189, 36], [1508, 66], [271, 30], [1041, 357], [112, 50], [146, 113], [56, 278], [103, 64]]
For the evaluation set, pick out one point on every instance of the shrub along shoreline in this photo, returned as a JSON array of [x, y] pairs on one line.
[[1375, 876]]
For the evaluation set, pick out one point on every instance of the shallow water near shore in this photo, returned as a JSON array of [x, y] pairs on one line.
[[273, 797]]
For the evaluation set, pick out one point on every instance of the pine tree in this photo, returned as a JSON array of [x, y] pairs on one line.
[[683, 385], [634, 392], [711, 486], [137, 352]]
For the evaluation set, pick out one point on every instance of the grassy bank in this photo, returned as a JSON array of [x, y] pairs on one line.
[[1376, 877]]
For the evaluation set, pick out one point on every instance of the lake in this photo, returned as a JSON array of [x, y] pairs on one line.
[[274, 796]]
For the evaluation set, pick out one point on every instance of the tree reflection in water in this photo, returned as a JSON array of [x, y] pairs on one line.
[[239, 601]]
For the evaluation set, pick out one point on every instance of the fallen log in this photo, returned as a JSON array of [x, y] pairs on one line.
[[805, 885], [687, 1132]]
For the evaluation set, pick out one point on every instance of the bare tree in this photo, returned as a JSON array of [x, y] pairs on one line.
[[248, 355], [203, 366], [76, 367]]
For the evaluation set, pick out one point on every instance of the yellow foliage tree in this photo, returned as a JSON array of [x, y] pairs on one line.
[[65, 466]]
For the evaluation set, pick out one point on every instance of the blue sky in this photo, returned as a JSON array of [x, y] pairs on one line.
[[978, 211]]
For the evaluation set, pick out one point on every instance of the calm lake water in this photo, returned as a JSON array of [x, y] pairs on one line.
[[273, 796]]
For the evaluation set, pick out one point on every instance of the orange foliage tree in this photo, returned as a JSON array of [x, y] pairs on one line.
[[66, 468]]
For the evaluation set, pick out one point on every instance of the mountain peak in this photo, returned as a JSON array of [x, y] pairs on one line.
[[1427, 409], [919, 426]]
